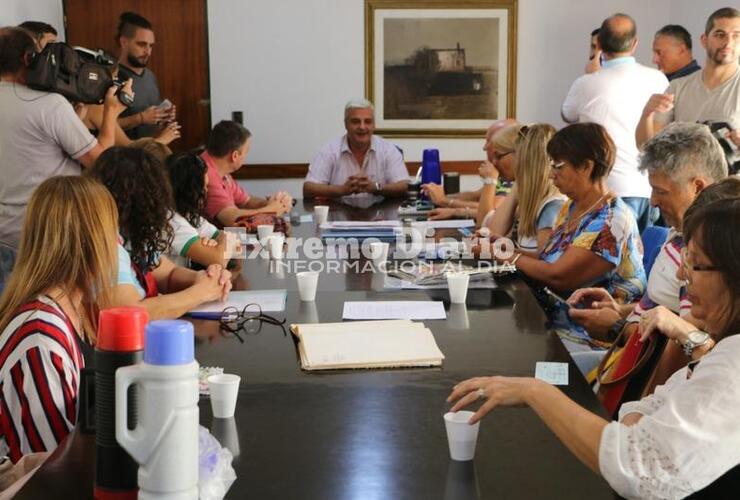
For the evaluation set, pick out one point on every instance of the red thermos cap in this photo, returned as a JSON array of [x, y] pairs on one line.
[[122, 329]]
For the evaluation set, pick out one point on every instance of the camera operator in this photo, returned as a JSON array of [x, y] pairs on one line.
[[40, 136]]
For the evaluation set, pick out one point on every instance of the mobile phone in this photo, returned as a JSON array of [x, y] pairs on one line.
[[557, 297], [166, 104]]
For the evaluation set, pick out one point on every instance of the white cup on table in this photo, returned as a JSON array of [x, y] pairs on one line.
[[379, 253], [275, 244], [307, 283], [320, 214], [264, 230], [461, 436], [224, 389], [457, 283]]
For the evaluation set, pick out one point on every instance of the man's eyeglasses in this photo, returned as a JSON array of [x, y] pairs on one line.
[[556, 165], [687, 265], [248, 320]]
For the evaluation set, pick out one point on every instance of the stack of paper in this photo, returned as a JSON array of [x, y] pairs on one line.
[[366, 344], [383, 230]]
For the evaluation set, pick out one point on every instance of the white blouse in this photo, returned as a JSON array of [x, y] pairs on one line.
[[689, 434]]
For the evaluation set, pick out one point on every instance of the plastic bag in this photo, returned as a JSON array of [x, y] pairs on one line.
[[215, 474]]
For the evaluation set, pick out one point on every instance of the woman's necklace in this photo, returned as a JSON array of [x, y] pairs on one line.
[[575, 220]]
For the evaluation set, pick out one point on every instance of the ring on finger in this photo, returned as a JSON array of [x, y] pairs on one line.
[[481, 393]]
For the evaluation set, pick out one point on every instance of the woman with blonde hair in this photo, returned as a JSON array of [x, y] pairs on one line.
[[533, 205], [63, 276]]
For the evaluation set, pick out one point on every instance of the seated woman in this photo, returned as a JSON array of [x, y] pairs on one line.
[[595, 241], [139, 184], [62, 278], [683, 437], [195, 239], [529, 212], [497, 174]]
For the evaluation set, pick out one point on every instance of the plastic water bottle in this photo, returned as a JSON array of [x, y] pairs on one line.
[[120, 341], [165, 441]]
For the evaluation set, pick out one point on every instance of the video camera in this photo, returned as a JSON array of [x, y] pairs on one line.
[[79, 74], [732, 153]]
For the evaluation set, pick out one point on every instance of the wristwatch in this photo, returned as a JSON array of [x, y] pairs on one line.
[[487, 181], [378, 188], [695, 339]]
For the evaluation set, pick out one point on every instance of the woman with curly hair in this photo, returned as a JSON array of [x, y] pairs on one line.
[[139, 184], [195, 239]]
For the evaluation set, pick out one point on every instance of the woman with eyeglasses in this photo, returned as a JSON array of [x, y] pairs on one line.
[[529, 212], [497, 176], [685, 436], [195, 239], [595, 241], [146, 277]]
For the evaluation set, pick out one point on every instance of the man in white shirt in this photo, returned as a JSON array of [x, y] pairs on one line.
[[614, 97], [359, 167]]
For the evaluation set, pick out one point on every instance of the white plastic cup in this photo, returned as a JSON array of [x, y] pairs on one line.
[[379, 252], [458, 286], [275, 244], [461, 436], [224, 389], [320, 214], [307, 281], [264, 230]]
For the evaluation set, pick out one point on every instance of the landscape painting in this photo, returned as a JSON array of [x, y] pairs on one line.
[[440, 71]]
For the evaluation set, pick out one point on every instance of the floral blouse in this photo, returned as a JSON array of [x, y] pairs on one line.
[[610, 231]]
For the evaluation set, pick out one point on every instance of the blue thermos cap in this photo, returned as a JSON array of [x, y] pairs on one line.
[[169, 342]]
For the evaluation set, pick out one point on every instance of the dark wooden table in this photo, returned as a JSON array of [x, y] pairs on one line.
[[372, 434]]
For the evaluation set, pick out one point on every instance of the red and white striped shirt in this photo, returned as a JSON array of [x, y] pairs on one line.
[[40, 363]]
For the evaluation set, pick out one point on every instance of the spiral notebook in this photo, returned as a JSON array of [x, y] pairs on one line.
[[366, 344]]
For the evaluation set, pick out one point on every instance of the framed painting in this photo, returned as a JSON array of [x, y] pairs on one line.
[[440, 68]]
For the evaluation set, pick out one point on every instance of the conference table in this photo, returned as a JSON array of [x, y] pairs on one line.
[[371, 434]]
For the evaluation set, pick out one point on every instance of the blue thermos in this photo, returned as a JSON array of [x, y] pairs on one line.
[[431, 171]]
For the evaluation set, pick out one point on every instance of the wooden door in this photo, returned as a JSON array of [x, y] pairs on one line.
[[179, 59]]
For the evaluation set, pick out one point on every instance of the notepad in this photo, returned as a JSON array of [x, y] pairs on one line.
[[387, 309], [269, 300], [552, 373], [366, 344]]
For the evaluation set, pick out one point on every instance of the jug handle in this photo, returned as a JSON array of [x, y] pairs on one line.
[[139, 448]]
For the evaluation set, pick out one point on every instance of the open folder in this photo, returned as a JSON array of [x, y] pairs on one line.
[[366, 344]]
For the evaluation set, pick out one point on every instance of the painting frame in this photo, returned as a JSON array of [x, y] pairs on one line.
[[375, 65]]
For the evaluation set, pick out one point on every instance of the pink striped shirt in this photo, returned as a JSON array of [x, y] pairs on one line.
[[40, 363]]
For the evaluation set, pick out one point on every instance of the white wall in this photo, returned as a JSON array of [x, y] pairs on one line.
[[13, 12], [291, 64], [298, 61]]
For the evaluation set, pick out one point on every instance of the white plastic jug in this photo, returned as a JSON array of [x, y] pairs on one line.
[[165, 440]]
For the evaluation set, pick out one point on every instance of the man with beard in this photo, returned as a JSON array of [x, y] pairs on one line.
[[711, 95], [136, 39]]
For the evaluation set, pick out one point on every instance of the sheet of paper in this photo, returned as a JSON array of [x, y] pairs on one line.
[[451, 223], [306, 218], [552, 373], [394, 310], [270, 301], [344, 224]]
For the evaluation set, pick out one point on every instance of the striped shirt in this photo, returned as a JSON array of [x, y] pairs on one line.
[[664, 287], [40, 363]]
